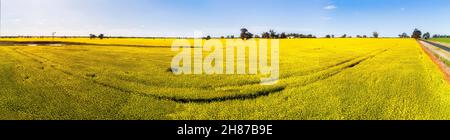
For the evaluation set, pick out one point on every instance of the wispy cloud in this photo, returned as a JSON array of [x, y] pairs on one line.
[[330, 7]]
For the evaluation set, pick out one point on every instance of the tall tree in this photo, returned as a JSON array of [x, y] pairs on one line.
[[273, 34], [403, 35], [92, 36], [207, 37], [265, 35], [375, 34], [426, 35], [101, 36], [283, 35], [245, 34], [416, 34]]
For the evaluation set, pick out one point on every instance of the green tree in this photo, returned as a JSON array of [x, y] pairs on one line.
[[208, 37], [265, 35], [283, 35], [375, 34], [426, 35], [273, 34], [403, 35], [92, 36], [101, 36], [245, 34], [416, 34]]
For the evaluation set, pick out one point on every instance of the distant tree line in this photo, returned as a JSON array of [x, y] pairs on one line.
[[93, 36], [404, 35], [441, 36], [271, 34], [274, 35], [417, 34], [246, 34]]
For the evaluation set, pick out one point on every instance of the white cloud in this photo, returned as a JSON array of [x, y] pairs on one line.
[[330, 7]]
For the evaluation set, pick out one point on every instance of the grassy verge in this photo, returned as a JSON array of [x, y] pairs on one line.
[[447, 62]]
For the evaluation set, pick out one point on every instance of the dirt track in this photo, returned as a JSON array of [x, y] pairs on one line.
[[431, 50]]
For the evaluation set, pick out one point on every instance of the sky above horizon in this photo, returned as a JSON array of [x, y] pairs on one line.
[[171, 18]]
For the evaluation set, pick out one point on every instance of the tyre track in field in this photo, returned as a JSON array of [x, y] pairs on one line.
[[203, 100], [128, 91], [345, 66], [277, 90], [306, 73], [31, 56], [348, 66], [309, 72], [327, 68]]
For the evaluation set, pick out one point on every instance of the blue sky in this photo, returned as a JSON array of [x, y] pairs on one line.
[[222, 17]]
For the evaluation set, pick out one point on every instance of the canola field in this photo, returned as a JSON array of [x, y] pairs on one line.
[[320, 79]]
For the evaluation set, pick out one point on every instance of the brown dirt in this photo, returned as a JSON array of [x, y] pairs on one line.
[[442, 66]]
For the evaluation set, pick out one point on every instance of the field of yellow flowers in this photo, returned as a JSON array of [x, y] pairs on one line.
[[320, 79]]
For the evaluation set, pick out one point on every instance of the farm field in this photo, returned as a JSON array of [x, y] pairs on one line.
[[445, 40], [320, 79]]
